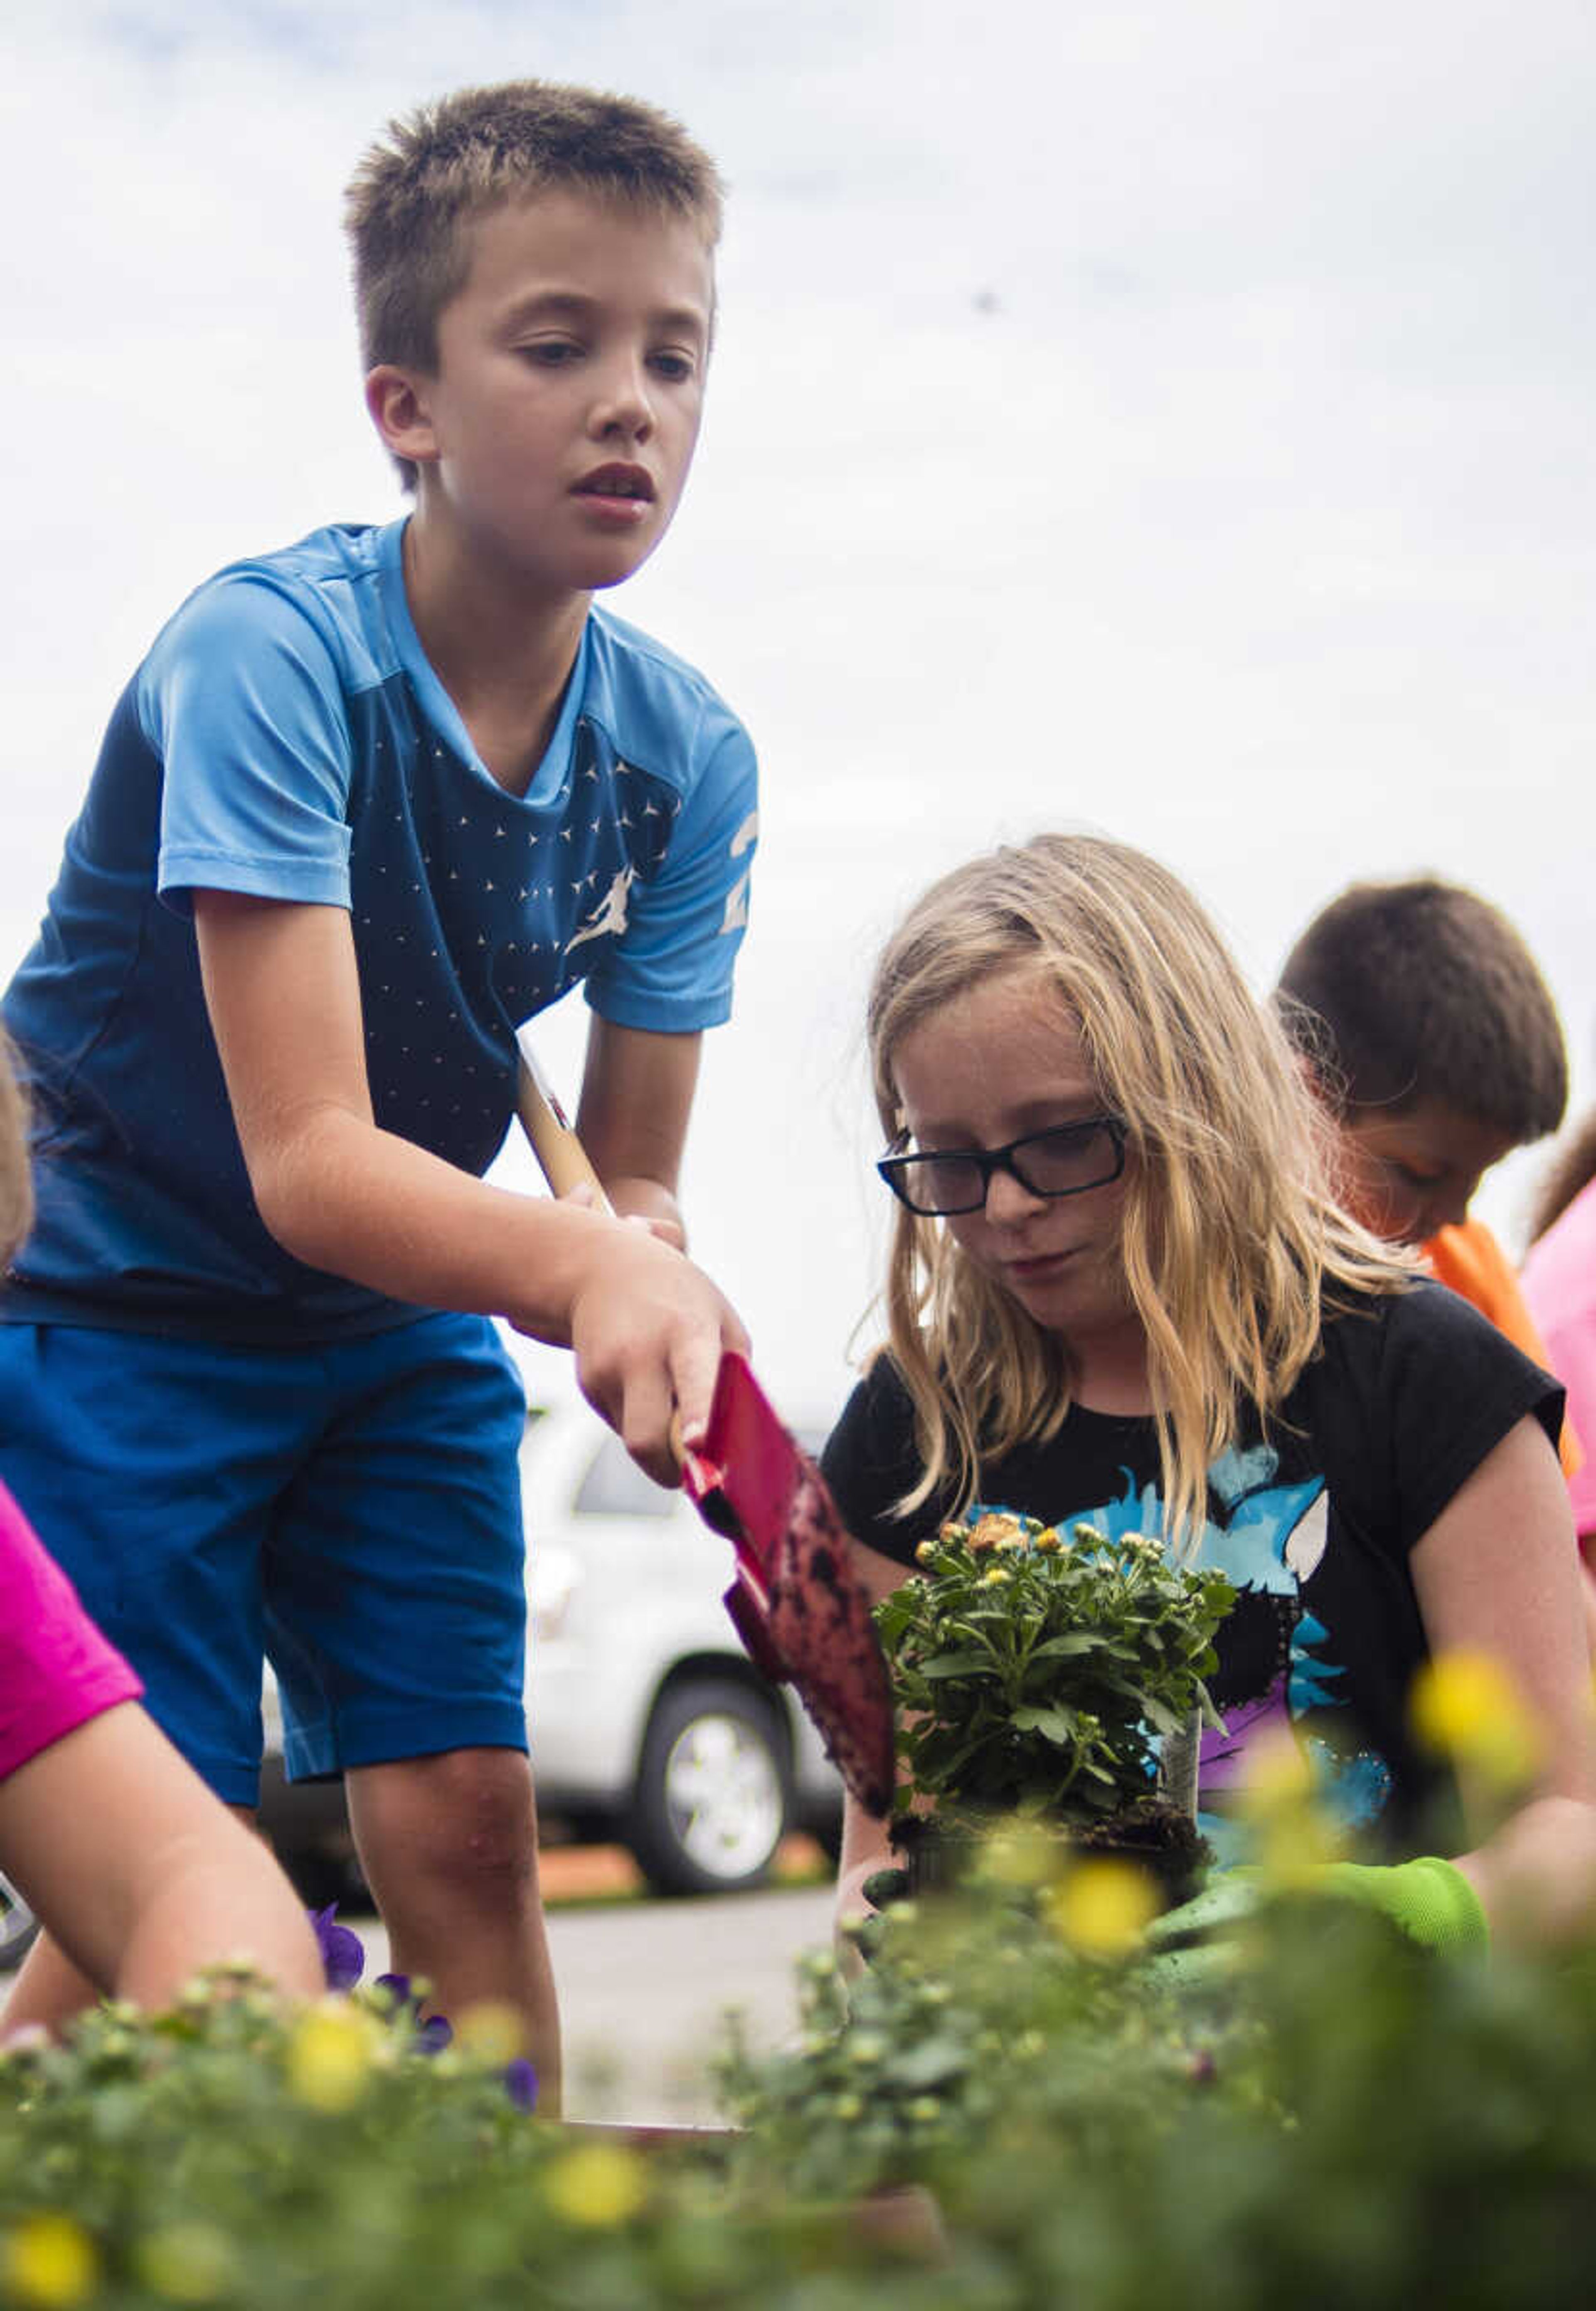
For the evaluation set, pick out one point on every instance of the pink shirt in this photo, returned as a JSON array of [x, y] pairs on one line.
[[56, 1669], [1559, 1282]]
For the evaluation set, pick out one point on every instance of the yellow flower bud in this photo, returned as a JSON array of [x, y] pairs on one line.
[[993, 1530], [49, 2261], [1102, 1907], [1465, 1706], [599, 2185], [189, 2262], [1292, 1834], [1021, 1854], [329, 2056], [491, 2030]]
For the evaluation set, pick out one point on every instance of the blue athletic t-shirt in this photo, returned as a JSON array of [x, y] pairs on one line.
[[287, 737]]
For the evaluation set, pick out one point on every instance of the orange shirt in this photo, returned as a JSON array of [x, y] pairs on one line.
[[1470, 1261]]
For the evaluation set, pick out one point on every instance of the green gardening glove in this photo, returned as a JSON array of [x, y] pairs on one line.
[[1429, 1900]]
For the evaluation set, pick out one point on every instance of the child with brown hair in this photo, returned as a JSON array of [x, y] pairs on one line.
[[370, 802], [1432, 1039], [1120, 1289]]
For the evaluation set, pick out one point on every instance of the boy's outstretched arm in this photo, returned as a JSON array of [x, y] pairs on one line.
[[339, 1193]]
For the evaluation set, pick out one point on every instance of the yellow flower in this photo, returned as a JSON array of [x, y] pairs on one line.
[[329, 2057], [1466, 1707], [1291, 1835], [1047, 1541], [50, 2260], [924, 1552], [1279, 1777], [1021, 1854], [189, 2262], [600, 2184], [491, 2030], [994, 1577], [1102, 1908]]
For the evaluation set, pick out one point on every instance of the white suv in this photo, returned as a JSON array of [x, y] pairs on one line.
[[649, 1723]]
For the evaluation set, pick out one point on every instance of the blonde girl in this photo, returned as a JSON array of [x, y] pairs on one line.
[[1119, 1289]]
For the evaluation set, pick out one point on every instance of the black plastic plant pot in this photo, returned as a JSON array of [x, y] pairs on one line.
[[938, 1855]]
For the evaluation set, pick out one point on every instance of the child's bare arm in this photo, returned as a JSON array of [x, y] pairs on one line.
[[341, 1193], [1498, 1573], [141, 1875], [637, 1095]]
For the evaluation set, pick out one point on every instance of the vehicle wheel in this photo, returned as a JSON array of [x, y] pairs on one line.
[[19, 1928], [713, 1791]]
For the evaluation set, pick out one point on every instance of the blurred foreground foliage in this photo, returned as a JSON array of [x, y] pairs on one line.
[[1314, 2113]]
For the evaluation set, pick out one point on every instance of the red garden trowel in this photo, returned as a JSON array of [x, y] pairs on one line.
[[801, 1611], [795, 1601]]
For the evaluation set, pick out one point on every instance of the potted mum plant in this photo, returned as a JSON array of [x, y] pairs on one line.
[[1055, 1676]]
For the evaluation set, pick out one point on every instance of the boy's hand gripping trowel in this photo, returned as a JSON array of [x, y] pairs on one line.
[[802, 1613]]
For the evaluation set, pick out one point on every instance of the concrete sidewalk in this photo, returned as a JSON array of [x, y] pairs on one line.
[[645, 1987]]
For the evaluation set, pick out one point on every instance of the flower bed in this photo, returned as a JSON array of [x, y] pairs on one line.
[[1323, 2116]]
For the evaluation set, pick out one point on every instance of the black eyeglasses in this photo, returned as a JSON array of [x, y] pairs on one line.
[[1066, 1160]]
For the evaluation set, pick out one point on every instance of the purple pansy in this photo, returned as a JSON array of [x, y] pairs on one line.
[[343, 1961], [343, 1954], [520, 2083], [433, 2034]]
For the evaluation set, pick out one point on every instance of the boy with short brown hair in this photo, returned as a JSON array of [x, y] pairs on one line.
[[1432, 1039], [369, 803]]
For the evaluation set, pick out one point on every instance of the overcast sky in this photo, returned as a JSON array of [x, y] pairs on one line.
[[1173, 419]]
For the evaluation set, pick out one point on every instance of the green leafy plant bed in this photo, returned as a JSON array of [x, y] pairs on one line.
[[1016, 2106]]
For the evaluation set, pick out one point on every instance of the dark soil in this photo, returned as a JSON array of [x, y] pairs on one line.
[[1155, 1835]]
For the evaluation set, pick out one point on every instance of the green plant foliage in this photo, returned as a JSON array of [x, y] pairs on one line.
[[1035, 1671], [1331, 2118], [1328, 2118], [228, 2155]]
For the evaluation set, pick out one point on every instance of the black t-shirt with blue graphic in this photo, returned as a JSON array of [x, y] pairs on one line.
[[1312, 1522]]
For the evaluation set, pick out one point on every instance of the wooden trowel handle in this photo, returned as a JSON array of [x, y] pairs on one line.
[[564, 1160], [561, 1155]]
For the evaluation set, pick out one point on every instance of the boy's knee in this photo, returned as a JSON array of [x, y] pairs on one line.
[[468, 1815]]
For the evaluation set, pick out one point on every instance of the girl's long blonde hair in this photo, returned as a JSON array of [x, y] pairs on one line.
[[1229, 1232]]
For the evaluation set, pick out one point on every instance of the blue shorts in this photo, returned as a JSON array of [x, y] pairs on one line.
[[351, 1508]]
